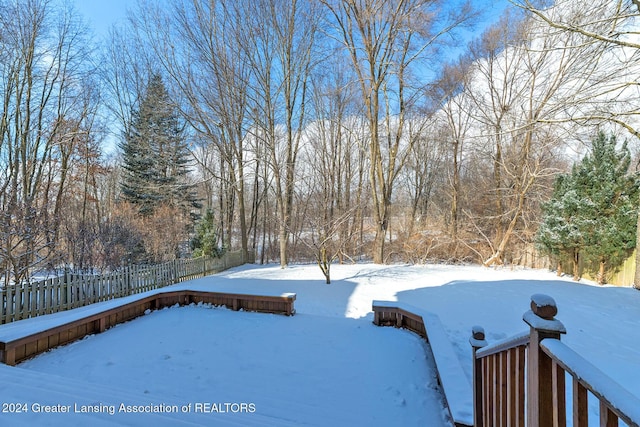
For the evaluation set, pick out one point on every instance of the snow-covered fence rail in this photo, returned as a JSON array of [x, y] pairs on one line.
[[69, 291], [501, 390]]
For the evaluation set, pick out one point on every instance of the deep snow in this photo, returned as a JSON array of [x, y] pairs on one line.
[[326, 365]]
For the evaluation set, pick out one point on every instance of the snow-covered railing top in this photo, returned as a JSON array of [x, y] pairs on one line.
[[514, 341], [501, 387], [455, 384], [612, 396]]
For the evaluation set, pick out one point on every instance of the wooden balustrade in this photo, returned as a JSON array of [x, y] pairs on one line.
[[501, 388], [499, 401]]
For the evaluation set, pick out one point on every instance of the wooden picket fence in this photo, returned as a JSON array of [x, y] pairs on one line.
[[71, 291]]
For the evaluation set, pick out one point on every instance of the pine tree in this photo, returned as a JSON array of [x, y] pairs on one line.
[[593, 211], [205, 242], [561, 234], [603, 178], [156, 156]]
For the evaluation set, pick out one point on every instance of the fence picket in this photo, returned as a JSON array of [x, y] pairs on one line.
[[46, 300], [10, 304], [19, 302], [122, 280], [96, 288], [104, 286], [3, 305], [33, 299]]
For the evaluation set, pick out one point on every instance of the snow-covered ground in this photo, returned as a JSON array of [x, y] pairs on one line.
[[327, 364]]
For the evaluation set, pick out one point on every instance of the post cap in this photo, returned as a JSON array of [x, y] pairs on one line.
[[541, 315], [477, 337], [477, 332], [543, 306]]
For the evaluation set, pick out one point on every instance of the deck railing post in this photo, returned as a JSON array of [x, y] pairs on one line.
[[539, 367], [477, 341]]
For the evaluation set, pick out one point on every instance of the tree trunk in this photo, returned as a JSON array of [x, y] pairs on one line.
[[453, 228], [325, 264], [378, 244], [601, 273], [559, 269], [244, 233], [283, 239], [636, 281]]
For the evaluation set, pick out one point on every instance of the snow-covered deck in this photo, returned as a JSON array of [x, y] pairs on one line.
[[307, 370], [39, 398], [27, 338]]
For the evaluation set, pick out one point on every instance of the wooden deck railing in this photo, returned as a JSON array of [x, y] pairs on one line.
[[531, 368], [65, 292]]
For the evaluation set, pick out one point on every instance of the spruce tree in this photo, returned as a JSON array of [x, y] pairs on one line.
[[156, 155], [603, 178], [561, 234], [593, 211]]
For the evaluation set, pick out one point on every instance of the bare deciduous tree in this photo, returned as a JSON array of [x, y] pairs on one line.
[[332, 168], [43, 51], [282, 34], [384, 39], [609, 95], [451, 92], [525, 80]]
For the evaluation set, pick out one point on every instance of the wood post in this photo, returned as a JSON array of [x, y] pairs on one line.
[[9, 356], [540, 405], [477, 341], [580, 405], [376, 317]]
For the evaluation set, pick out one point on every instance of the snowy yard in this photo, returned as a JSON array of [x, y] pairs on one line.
[[327, 365]]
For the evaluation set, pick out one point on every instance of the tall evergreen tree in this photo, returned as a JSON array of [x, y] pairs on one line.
[[156, 155], [604, 179], [593, 211], [561, 234]]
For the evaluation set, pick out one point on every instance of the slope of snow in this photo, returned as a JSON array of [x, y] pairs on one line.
[[327, 364]]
